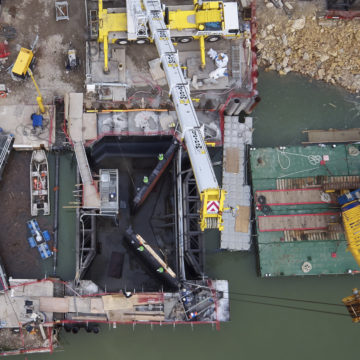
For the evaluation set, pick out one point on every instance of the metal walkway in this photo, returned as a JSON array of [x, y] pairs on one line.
[[83, 163], [237, 230], [91, 198], [6, 142], [74, 108]]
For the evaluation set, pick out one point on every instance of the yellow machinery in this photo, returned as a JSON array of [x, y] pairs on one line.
[[149, 21], [208, 20], [350, 210], [212, 201], [351, 221], [21, 68], [352, 304]]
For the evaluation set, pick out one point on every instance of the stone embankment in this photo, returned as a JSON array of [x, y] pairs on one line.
[[323, 49]]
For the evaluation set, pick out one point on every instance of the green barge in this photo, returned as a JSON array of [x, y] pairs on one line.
[[298, 219]]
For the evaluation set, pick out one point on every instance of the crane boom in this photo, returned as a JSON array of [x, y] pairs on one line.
[[211, 196]]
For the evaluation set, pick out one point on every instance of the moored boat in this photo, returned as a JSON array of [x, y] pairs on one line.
[[39, 183]]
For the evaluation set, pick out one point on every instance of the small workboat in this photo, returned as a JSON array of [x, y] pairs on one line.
[[39, 183]]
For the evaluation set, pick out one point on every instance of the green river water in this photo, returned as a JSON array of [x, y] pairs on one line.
[[256, 331]]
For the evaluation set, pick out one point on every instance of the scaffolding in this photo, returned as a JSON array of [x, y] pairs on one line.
[[6, 143], [109, 191], [61, 10]]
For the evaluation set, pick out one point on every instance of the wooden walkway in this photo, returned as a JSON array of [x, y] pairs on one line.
[[296, 196], [332, 136], [297, 221]]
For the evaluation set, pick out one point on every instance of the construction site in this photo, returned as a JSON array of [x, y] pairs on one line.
[[126, 143], [123, 182]]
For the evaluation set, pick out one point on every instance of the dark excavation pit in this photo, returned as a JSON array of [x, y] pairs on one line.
[[118, 266]]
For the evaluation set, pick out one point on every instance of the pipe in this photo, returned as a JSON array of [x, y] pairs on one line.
[[106, 54], [151, 258], [252, 104], [39, 98], [241, 107], [202, 51], [145, 190], [232, 106], [180, 218], [110, 84], [56, 211], [126, 110]]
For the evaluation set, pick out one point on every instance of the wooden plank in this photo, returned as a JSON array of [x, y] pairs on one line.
[[89, 318], [97, 306], [232, 160], [297, 221], [242, 219], [131, 316], [117, 302], [89, 123], [332, 136], [156, 256], [295, 196], [79, 304], [54, 304]]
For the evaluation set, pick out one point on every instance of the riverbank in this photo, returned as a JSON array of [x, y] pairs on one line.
[[303, 42]]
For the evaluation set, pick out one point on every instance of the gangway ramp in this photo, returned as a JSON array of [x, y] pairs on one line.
[[317, 221], [236, 235], [74, 114], [83, 163]]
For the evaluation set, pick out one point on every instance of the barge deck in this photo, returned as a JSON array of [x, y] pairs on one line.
[[299, 229]]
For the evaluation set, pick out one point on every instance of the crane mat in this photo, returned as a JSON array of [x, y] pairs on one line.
[[242, 219], [232, 160], [296, 196], [297, 221]]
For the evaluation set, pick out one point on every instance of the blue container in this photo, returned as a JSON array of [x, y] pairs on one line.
[[32, 242], [46, 235], [346, 198], [47, 250]]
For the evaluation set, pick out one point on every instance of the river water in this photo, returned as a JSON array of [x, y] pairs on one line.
[[282, 330]]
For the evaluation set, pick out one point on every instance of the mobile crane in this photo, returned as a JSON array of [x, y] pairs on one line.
[[211, 196], [205, 21]]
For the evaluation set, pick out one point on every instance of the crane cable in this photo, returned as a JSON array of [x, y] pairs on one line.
[[279, 298], [290, 307], [282, 298]]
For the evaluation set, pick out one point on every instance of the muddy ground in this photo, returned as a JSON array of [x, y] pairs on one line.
[[37, 17], [20, 261]]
